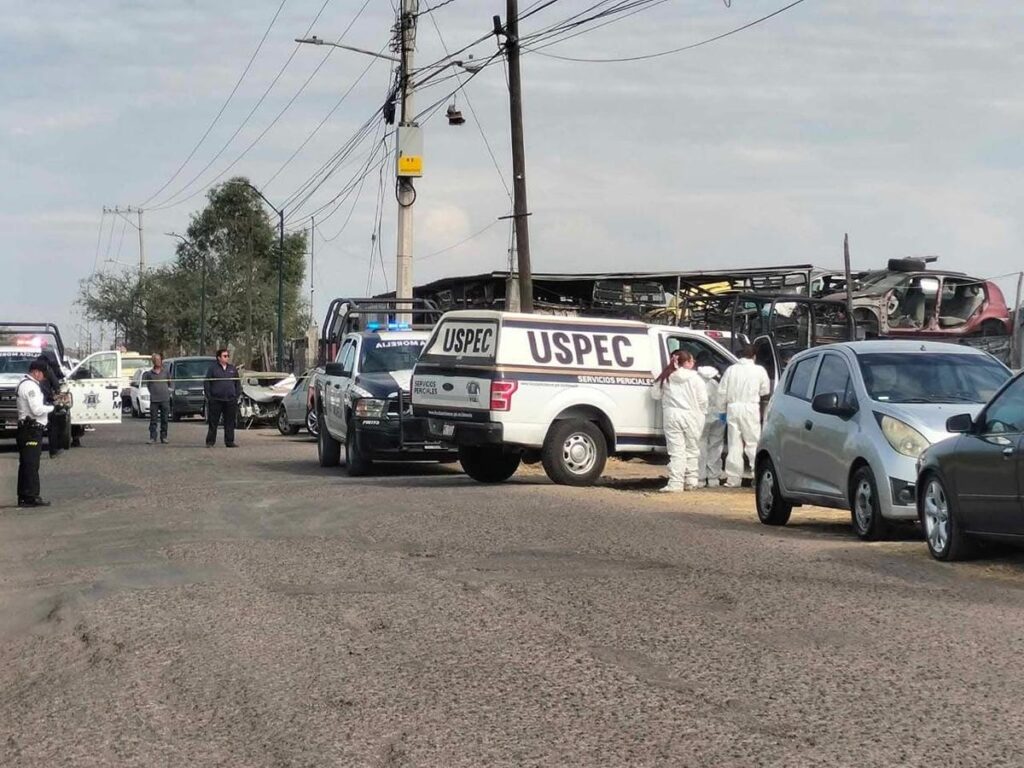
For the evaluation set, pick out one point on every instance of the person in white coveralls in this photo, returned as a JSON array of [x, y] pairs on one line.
[[743, 386], [712, 440], [684, 404]]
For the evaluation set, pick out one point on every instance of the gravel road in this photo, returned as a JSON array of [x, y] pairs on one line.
[[180, 606]]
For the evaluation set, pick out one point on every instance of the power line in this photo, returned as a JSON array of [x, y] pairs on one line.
[[171, 201], [669, 52], [224, 106], [461, 242], [436, 7]]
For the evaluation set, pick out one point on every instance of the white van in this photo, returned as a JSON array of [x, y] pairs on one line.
[[506, 387]]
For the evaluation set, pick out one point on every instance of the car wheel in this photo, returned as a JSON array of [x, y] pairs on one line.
[[865, 512], [356, 463], [574, 452], [175, 416], [328, 450], [312, 423], [772, 507], [488, 464], [942, 532]]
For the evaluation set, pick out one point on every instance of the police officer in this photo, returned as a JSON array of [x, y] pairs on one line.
[[51, 386], [33, 415]]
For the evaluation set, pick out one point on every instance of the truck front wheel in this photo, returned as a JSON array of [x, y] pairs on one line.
[[574, 452], [488, 464]]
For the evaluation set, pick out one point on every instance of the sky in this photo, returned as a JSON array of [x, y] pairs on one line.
[[899, 123]]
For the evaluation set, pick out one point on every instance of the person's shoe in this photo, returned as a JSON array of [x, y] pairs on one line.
[[152, 441], [209, 445], [672, 489], [230, 445], [692, 487], [56, 454], [163, 440], [36, 502]]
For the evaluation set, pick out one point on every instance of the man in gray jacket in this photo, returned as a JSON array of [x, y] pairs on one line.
[[159, 386]]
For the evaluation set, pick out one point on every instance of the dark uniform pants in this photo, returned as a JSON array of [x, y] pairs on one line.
[[30, 447], [55, 432], [215, 408]]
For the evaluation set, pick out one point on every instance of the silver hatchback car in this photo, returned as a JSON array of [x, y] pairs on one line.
[[847, 423]]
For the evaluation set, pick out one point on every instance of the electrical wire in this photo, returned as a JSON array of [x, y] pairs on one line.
[[668, 52], [174, 200], [453, 246], [223, 107], [436, 7]]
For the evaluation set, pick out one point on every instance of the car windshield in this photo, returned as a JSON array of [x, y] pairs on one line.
[[191, 369], [931, 377], [15, 363], [386, 355], [129, 364]]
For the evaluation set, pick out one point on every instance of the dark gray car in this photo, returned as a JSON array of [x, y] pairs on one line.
[[969, 486]]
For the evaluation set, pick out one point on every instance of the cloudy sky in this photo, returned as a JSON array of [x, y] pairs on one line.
[[900, 123]]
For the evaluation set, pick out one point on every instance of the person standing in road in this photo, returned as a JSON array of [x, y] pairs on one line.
[[712, 440], [223, 388], [684, 403], [159, 385], [744, 386], [33, 415], [50, 387]]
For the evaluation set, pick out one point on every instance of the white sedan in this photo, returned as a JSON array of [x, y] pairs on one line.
[[138, 395]]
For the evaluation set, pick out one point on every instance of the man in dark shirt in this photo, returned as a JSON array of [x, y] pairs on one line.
[[159, 385], [223, 388]]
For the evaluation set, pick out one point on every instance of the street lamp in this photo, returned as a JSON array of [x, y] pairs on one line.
[[314, 40], [280, 271], [202, 292]]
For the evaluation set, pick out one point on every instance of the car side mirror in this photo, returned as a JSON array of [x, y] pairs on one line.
[[960, 423], [335, 369], [831, 403]]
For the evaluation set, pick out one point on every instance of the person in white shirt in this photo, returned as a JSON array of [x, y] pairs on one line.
[[33, 415], [712, 439], [684, 403], [743, 387]]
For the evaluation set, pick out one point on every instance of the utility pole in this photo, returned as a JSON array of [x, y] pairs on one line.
[[406, 191], [312, 256], [280, 293], [515, 100], [118, 211]]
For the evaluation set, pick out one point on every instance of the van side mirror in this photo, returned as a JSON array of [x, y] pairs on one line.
[[335, 369], [960, 423], [831, 403]]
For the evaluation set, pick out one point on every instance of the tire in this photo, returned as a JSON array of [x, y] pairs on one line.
[[940, 522], [865, 513], [175, 416], [488, 464], [772, 507], [356, 464], [907, 265], [312, 422], [282, 423], [328, 450], [574, 452]]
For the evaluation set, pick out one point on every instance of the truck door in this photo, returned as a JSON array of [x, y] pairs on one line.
[[336, 389], [95, 387]]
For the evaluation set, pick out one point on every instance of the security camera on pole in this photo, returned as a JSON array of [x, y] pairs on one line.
[[409, 160]]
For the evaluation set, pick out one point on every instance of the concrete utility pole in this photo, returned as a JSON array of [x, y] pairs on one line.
[[312, 256], [406, 191], [118, 211], [515, 99]]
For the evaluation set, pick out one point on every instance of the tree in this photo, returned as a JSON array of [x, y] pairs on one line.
[[236, 241]]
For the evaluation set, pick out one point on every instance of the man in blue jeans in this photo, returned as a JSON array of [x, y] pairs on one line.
[[223, 388], [159, 386]]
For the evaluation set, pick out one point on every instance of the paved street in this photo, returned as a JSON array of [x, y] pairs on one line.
[[184, 606]]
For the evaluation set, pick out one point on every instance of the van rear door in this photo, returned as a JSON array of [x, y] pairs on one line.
[[452, 378]]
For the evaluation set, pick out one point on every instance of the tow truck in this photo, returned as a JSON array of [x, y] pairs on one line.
[[362, 397]]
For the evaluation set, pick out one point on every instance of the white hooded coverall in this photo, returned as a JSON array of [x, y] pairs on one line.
[[713, 438], [684, 403], [742, 387]]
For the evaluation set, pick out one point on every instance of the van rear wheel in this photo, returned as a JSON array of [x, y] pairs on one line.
[[574, 452], [488, 464]]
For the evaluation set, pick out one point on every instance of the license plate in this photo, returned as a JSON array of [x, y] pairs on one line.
[[447, 429]]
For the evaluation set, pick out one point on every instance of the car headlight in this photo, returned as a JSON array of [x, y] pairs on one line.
[[370, 408], [181, 392], [355, 392], [902, 437]]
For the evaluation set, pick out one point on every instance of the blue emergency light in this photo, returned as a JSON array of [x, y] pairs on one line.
[[389, 326]]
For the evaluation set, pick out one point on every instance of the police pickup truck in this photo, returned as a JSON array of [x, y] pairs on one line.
[[503, 387], [362, 401], [92, 388]]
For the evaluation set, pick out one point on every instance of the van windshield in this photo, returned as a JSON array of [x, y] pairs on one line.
[[192, 369], [931, 377]]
